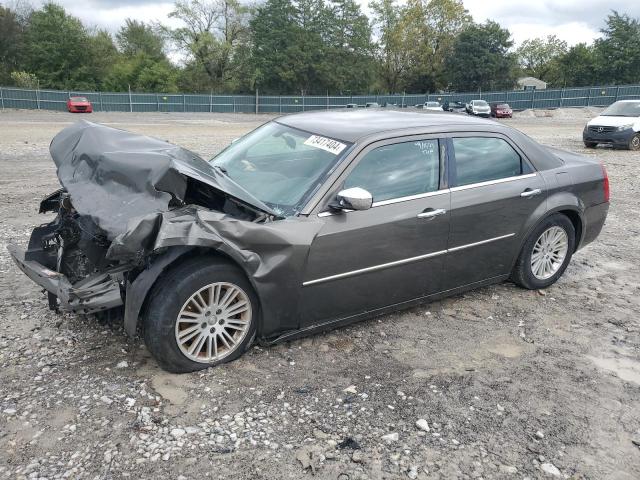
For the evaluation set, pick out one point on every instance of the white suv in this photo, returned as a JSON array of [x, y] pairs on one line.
[[618, 125]]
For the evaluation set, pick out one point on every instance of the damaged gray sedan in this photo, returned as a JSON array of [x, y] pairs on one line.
[[309, 222]]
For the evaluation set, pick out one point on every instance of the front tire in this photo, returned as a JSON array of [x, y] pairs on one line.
[[590, 144], [634, 143], [201, 314], [545, 254]]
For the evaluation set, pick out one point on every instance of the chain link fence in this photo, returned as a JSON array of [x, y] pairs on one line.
[[171, 102]]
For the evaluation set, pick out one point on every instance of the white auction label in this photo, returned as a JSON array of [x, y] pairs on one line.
[[328, 144]]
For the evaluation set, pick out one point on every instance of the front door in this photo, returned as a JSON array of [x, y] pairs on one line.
[[494, 190], [394, 252]]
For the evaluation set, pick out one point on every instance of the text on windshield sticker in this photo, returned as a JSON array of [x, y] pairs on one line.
[[328, 144]]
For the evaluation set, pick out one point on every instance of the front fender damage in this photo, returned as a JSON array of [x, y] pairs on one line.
[[273, 255]]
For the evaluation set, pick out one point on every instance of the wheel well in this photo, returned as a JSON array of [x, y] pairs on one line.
[[577, 223], [204, 253]]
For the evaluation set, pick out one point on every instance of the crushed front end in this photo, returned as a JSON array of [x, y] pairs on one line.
[[67, 257]]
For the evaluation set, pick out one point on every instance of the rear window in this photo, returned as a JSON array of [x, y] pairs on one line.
[[482, 159], [79, 99]]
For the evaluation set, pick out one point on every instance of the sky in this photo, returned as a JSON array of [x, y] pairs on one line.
[[574, 21]]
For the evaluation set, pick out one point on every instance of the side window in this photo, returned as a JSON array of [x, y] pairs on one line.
[[398, 170], [481, 159]]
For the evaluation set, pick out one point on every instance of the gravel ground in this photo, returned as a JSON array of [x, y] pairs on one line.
[[497, 383]]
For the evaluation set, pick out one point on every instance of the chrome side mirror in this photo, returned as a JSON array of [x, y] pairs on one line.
[[355, 198]]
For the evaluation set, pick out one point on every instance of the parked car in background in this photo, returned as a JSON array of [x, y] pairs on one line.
[[618, 125], [372, 105], [433, 106], [501, 110], [479, 108], [351, 105], [310, 222], [79, 105], [456, 107]]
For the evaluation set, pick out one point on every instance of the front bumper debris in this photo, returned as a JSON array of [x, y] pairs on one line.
[[92, 294]]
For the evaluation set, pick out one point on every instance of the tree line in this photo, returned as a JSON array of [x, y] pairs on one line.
[[303, 47]]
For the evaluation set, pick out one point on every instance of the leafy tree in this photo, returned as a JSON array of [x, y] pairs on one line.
[[55, 48], [431, 28], [391, 55], [136, 37], [618, 52], [288, 47], [212, 32], [539, 57], [11, 42], [481, 59], [349, 50], [577, 67], [25, 80]]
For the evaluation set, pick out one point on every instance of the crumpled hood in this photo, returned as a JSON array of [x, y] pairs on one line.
[[114, 176]]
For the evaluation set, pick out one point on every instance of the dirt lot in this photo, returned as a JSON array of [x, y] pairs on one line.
[[510, 383]]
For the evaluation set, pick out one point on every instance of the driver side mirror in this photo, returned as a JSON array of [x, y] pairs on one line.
[[354, 198]]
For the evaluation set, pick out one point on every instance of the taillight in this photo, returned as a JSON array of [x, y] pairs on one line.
[[605, 185]]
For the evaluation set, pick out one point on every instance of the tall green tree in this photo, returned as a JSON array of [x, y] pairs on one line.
[[391, 55], [539, 57], [481, 59], [136, 37], [349, 49], [431, 28], [578, 67], [12, 28], [56, 48], [618, 52], [211, 34]]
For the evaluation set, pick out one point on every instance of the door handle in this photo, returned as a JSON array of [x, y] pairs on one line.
[[432, 213], [531, 193]]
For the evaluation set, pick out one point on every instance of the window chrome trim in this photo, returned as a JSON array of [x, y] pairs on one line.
[[409, 198], [382, 203], [493, 182], [401, 262]]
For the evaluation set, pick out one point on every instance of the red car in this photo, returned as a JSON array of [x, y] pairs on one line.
[[79, 105], [501, 110]]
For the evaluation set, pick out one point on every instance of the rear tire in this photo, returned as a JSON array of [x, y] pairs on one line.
[[186, 320], [634, 143], [540, 265]]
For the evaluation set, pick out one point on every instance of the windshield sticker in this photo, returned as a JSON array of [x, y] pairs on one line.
[[328, 144]]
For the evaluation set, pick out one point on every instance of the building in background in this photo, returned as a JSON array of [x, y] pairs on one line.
[[531, 83]]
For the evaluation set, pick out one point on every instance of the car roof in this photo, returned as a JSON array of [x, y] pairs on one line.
[[351, 125]]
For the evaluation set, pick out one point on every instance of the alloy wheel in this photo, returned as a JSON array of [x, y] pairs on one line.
[[549, 252], [213, 322]]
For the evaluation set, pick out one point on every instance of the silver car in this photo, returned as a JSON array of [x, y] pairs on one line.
[[479, 108], [309, 222]]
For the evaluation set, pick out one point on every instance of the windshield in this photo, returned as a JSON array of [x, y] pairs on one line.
[[480, 103], [623, 109], [78, 99], [280, 165], [433, 104]]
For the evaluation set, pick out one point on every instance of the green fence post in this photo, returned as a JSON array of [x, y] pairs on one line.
[[257, 101], [211, 101], [2, 97], [38, 98], [184, 102], [280, 102], [130, 104], [589, 97], [617, 90], [561, 97], [100, 98], [533, 99]]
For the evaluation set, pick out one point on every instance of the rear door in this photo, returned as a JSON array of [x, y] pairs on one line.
[[364, 260], [494, 190]]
